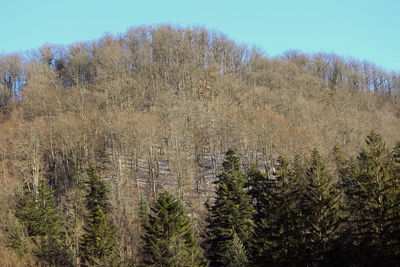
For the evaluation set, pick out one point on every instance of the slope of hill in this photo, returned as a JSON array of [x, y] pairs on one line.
[[157, 107]]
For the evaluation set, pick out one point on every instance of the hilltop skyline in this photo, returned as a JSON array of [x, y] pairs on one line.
[[364, 30]]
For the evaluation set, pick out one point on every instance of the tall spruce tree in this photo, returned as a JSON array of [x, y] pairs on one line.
[[321, 211], [263, 194], [370, 205], [38, 212], [98, 246], [291, 179], [278, 226], [259, 187], [230, 213], [169, 238]]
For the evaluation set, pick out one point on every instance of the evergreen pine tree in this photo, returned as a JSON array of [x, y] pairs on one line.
[[39, 214], [231, 212], [277, 232], [321, 210], [258, 186], [98, 246], [27, 211], [236, 255], [169, 238], [19, 240], [370, 205], [262, 191], [290, 220]]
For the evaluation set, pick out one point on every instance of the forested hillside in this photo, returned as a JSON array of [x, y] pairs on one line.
[[101, 129]]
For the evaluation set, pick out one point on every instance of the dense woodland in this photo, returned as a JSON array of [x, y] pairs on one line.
[[168, 146]]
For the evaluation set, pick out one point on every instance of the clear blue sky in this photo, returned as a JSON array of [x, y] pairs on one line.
[[363, 29]]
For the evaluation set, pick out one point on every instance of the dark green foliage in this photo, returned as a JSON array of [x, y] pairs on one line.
[[278, 229], [288, 217], [262, 191], [97, 194], [231, 212], [321, 211], [299, 217], [39, 214], [236, 255], [99, 242], [19, 240], [259, 186], [169, 238], [27, 211], [372, 201]]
